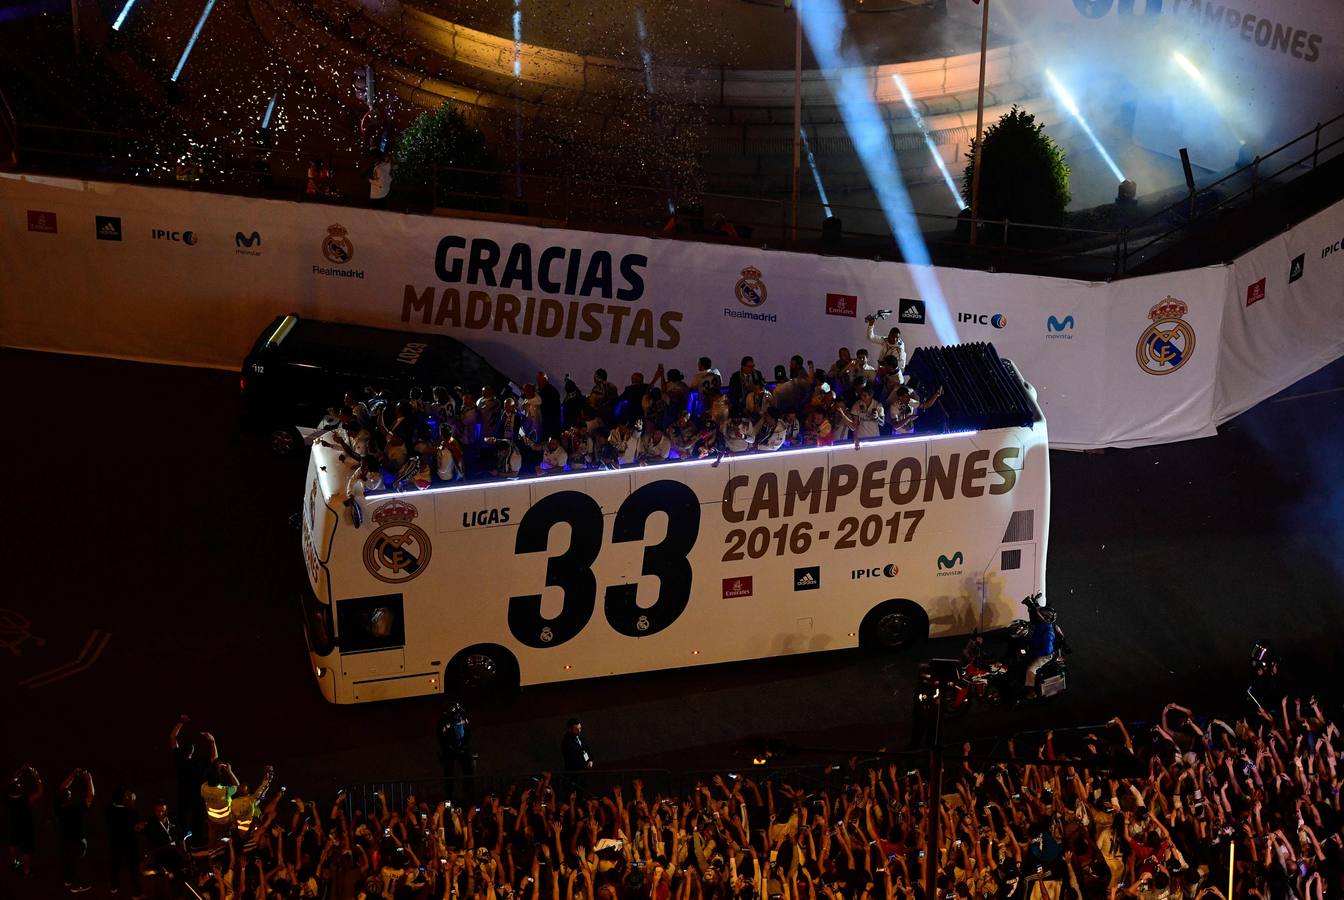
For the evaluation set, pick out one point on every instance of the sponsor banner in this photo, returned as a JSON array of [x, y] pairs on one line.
[[1256, 292], [842, 305], [1161, 356], [41, 220], [807, 578], [1114, 364], [1298, 324], [737, 587]]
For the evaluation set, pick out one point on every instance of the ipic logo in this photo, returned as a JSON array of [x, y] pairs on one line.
[[998, 320], [807, 578], [1297, 267], [1059, 329], [180, 237], [890, 570]]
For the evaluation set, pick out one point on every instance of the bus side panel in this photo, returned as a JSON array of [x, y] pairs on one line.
[[770, 554]]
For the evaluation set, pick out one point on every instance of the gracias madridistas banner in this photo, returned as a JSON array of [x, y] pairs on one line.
[[184, 277]]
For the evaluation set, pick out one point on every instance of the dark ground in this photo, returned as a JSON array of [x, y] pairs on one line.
[[148, 518]]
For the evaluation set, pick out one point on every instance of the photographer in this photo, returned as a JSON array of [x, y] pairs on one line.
[[891, 345], [72, 804], [25, 789], [867, 415]]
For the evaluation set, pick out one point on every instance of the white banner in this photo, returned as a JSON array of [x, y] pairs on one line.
[[1284, 315], [185, 277]]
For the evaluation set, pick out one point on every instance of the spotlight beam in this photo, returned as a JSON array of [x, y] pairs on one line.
[[1071, 105], [1210, 92], [196, 33], [517, 38], [121, 17], [644, 54], [816, 174], [928, 140], [824, 23]]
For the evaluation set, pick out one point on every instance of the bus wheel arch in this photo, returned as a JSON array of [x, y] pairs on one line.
[[894, 625], [482, 667]]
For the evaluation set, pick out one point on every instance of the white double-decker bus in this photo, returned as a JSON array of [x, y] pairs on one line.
[[585, 574]]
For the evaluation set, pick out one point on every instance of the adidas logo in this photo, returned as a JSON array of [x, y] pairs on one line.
[[910, 311], [807, 579], [107, 228]]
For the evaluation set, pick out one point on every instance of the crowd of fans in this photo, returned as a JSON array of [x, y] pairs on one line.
[[448, 434], [1150, 815]]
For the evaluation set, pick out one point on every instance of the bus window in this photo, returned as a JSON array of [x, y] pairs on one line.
[[371, 623], [1020, 527], [1012, 559]]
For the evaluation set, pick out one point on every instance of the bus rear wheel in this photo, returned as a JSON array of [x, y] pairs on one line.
[[483, 668], [893, 625]]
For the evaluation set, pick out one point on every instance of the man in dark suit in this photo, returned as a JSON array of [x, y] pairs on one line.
[[741, 382], [575, 749]]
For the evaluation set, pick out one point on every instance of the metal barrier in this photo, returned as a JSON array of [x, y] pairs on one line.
[[596, 205], [1243, 181], [369, 799]]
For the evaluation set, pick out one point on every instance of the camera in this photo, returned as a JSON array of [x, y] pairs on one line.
[[881, 314]]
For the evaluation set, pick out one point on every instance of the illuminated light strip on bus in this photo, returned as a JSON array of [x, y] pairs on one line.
[[670, 465]]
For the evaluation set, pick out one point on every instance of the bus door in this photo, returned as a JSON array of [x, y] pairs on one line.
[[371, 632], [1011, 573]]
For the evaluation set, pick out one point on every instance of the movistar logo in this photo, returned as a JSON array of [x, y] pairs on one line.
[[951, 562], [244, 243], [1059, 328]]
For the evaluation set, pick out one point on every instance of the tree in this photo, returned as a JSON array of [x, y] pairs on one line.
[[1024, 176], [443, 138]]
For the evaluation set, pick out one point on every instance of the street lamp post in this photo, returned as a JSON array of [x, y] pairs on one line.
[[797, 108], [979, 120]]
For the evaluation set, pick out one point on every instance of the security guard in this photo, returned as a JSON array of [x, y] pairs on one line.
[[454, 736]]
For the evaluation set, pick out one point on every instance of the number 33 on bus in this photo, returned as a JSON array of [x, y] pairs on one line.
[[601, 573]]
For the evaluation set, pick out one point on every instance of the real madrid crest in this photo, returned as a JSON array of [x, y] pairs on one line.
[[750, 289], [398, 550], [1167, 343], [336, 246]]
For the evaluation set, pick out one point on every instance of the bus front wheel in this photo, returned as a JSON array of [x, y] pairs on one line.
[[893, 625], [483, 668]]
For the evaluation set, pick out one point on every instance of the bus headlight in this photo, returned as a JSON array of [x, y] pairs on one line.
[[320, 672]]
